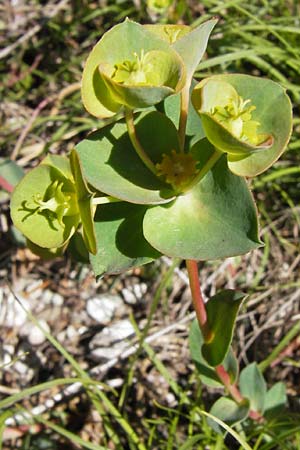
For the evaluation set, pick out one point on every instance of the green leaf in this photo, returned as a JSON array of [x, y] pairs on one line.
[[215, 219], [221, 309], [276, 400], [11, 174], [120, 241], [256, 142], [84, 199], [228, 411], [191, 46], [10, 171], [116, 74], [111, 165], [253, 386], [44, 227], [207, 372]]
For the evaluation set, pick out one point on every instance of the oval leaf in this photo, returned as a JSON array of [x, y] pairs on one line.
[[221, 309], [111, 165], [229, 412], [216, 219], [253, 386], [276, 399], [207, 372], [120, 241], [10, 171]]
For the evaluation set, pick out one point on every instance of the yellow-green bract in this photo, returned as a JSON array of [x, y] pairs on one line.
[[50, 202], [239, 118], [130, 66]]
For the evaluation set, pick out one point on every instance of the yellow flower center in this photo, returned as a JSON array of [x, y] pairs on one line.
[[178, 169], [56, 202], [236, 118], [133, 72]]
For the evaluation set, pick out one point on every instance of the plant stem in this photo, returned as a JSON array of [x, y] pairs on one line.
[[136, 143], [184, 108], [4, 184], [207, 166], [201, 314], [197, 298], [232, 388]]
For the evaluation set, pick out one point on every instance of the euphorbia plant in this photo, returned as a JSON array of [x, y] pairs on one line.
[[165, 177]]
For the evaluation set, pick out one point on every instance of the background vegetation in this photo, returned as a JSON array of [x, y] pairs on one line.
[[146, 395]]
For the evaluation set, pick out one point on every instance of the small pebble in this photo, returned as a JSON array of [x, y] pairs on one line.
[[140, 290], [103, 308], [117, 332], [20, 367], [71, 332], [57, 299], [11, 313], [129, 296], [35, 335], [7, 353], [107, 353]]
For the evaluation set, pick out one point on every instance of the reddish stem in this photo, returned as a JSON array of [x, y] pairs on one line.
[[4, 184], [232, 388], [201, 314], [197, 297]]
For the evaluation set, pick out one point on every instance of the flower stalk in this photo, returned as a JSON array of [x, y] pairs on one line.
[[184, 109], [136, 143], [206, 168]]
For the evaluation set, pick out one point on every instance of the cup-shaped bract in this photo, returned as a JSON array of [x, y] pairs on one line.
[[168, 32], [239, 116], [85, 203], [132, 67], [44, 204], [190, 43]]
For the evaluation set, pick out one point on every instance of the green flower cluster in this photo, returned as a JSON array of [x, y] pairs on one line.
[[167, 175]]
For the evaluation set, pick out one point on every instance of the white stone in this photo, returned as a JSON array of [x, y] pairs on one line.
[[57, 299], [20, 367], [11, 312], [36, 336], [129, 296], [7, 355], [117, 332], [26, 372], [107, 353], [103, 308], [71, 332], [140, 290], [83, 329]]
